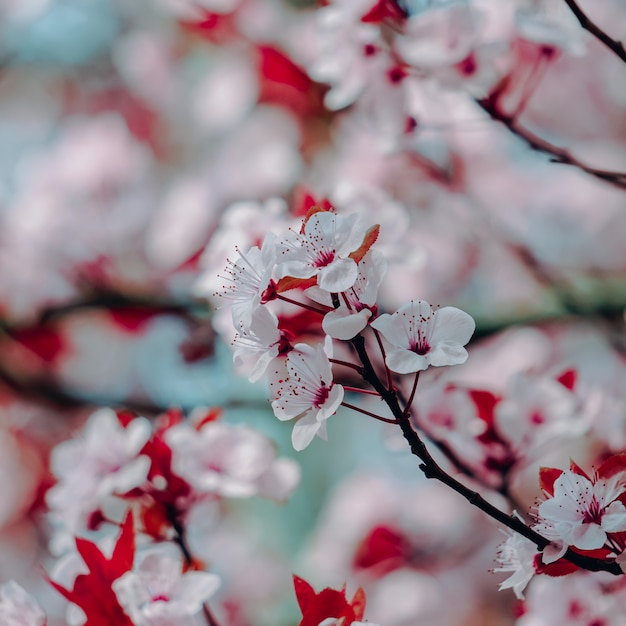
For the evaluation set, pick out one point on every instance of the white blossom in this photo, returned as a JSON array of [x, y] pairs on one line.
[[516, 556], [582, 511], [19, 608], [157, 593], [421, 337], [103, 460], [323, 249], [258, 343], [306, 391], [232, 461]]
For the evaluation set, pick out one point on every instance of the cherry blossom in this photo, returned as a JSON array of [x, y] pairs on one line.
[[158, 593], [583, 511], [423, 337], [356, 305], [441, 35], [306, 391], [348, 51], [19, 608], [249, 279], [323, 249], [104, 460], [232, 461], [259, 343], [517, 557]]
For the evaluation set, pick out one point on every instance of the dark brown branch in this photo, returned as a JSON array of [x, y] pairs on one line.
[[556, 153], [612, 44], [431, 469]]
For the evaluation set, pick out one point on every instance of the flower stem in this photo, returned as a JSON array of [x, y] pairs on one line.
[[179, 538], [407, 408], [309, 307], [376, 417], [353, 366]]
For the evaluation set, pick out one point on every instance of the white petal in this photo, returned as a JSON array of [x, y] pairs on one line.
[[446, 353], [584, 536], [342, 324], [614, 518], [335, 398], [338, 276], [405, 361], [553, 551], [196, 588], [451, 325], [304, 431]]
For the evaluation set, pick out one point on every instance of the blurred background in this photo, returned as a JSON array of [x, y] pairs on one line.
[[140, 142]]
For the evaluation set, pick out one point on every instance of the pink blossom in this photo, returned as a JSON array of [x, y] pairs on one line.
[[102, 461], [323, 250], [157, 593], [583, 511], [232, 461], [517, 557], [259, 343], [421, 337], [357, 303], [307, 392], [248, 278], [19, 608]]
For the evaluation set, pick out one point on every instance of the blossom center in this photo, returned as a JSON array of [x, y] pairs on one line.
[[321, 395], [593, 512], [324, 258], [420, 344]]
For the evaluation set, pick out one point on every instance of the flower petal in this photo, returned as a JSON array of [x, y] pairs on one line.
[[405, 361], [342, 324], [338, 275], [451, 325]]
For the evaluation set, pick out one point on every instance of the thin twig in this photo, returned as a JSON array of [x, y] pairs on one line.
[[612, 44], [369, 414], [179, 538], [557, 154]]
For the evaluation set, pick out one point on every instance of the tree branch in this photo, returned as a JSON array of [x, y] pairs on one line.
[[557, 154], [612, 44], [431, 469]]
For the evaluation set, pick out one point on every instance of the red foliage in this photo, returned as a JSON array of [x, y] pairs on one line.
[[93, 592], [284, 83], [316, 607], [382, 10], [45, 341], [384, 548]]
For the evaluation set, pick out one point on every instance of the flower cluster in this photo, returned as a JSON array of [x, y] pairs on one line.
[[148, 481], [332, 266]]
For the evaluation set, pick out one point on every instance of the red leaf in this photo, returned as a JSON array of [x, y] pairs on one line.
[[287, 283], [316, 607], [368, 241], [613, 465], [547, 476], [568, 379], [561, 567], [305, 201], [576, 469], [44, 341], [93, 591], [384, 547], [305, 594], [132, 319], [384, 9]]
